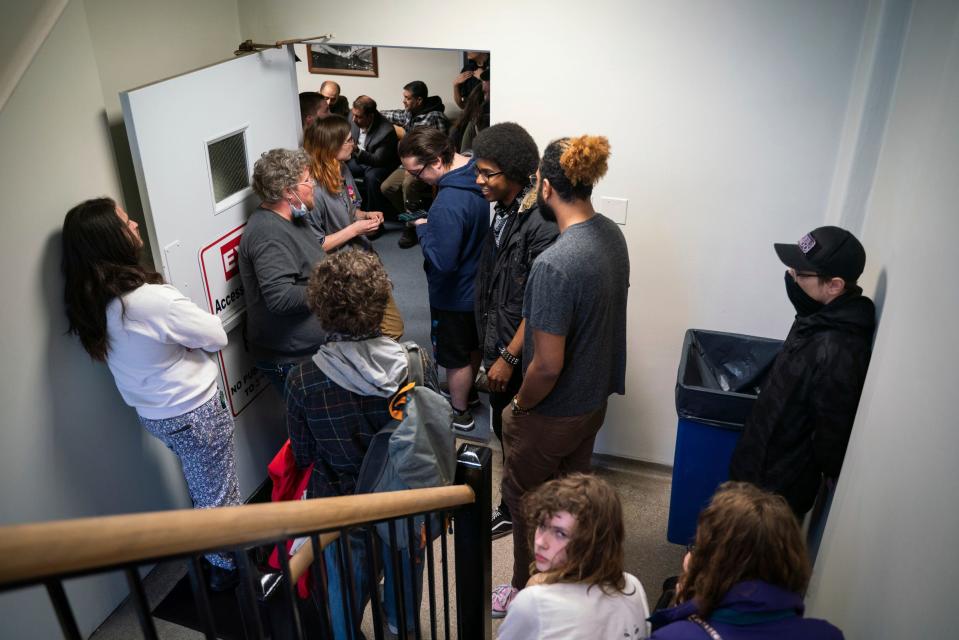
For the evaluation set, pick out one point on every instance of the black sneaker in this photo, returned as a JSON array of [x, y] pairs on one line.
[[408, 238], [502, 523], [472, 401], [463, 420]]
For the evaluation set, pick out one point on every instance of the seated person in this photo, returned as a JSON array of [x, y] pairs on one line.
[[338, 104], [338, 399], [336, 218], [746, 575], [579, 588], [374, 153], [276, 257], [312, 107], [402, 189]]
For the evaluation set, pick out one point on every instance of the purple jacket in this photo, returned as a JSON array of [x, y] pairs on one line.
[[749, 611]]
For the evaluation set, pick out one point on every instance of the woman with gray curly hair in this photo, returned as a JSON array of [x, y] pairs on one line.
[[276, 257]]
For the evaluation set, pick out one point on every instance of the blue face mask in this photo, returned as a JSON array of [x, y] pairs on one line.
[[298, 212]]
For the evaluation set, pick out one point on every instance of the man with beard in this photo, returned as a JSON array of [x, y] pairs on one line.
[[798, 430], [506, 158], [574, 347]]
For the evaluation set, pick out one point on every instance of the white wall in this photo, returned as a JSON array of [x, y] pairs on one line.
[[724, 118], [397, 67], [887, 567], [69, 446]]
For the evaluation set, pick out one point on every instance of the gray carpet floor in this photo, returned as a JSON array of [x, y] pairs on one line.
[[644, 488]]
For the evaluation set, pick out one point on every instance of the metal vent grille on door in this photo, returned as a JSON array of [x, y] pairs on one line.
[[228, 166]]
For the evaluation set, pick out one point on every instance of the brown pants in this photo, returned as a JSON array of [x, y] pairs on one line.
[[392, 325], [405, 192], [540, 448]]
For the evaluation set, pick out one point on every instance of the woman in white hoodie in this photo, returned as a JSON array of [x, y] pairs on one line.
[[153, 339]]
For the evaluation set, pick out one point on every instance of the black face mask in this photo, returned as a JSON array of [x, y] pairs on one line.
[[804, 305]]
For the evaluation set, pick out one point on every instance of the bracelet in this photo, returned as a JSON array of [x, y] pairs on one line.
[[517, 409], [510, 359]]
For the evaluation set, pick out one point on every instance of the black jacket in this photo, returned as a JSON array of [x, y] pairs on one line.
[[799, 427], [501, 276], [381, 144]]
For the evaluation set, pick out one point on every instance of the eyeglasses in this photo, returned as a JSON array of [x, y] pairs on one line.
[[349, 140], [486, 175], [329, 98], [310, 183], [416, 174]]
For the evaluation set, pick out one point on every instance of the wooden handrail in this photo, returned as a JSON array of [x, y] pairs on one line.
[[32, 552]]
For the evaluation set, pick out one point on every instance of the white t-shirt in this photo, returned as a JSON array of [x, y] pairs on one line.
[[569, 611], [157, 343]]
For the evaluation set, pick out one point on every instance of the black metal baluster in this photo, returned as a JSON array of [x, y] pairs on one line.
[[320, 593], [201, 598], [344, 592], [289, 590], [373, 573], [140, 603], [61, 605], [413, 543], [249, 608], [472, 544], [430, 578], [398, 594], [355, 615], [446, 574]]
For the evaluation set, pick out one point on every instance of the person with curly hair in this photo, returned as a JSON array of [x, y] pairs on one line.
[[574, 345], [746, 574], [506, 159], [578, 588], [155, 341], [339, 399], [276, 257]]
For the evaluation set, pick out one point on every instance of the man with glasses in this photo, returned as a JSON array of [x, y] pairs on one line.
[[330, 92], [375, 156], [797, 433], [451, 237], [506, 159]]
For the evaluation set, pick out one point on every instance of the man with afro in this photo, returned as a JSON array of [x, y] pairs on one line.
[[506, 160]]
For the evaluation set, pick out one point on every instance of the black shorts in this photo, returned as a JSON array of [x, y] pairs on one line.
[[454, 337]]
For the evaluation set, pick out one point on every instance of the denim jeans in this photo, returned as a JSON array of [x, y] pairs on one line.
[[339, 616]]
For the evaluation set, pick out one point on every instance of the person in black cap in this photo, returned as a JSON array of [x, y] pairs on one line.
[[800, 425]]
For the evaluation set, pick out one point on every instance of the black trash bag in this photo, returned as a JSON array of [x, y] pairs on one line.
[[720, 375]]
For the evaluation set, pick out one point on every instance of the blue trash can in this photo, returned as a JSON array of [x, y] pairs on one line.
[[717, 383]]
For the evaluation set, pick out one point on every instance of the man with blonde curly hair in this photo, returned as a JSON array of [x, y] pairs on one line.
[[338, 400], [574, 347]]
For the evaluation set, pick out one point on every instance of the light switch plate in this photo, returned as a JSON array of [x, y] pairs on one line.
[[614, 209]]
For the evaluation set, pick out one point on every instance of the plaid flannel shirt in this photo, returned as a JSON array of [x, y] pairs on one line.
[[408, 121]]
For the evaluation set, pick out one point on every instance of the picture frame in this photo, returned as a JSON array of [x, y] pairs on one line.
[[343, 60]]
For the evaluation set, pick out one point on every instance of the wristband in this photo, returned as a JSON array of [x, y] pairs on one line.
[[510, 359]]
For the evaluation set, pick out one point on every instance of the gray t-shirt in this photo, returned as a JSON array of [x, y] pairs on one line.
[[577, 288], [276, 259], [334, 212]]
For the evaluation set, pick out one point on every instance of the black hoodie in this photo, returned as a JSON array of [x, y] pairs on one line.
[[800, 425]]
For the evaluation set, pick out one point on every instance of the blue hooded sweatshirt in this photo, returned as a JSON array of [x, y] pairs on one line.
[[452, 240]]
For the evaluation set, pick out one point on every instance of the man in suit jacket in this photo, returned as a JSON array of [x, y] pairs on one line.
[[374, 156]]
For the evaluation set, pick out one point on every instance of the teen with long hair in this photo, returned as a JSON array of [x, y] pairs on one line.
[[746, 574], [336, 217], [153, 339], [578, 587]]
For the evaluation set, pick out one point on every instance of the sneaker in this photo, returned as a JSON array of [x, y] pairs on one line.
[[502, 596], [472, 401], [408, 238], [502, 523], [463, 420]]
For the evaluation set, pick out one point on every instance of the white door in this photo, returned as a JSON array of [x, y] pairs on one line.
[[194, 140]]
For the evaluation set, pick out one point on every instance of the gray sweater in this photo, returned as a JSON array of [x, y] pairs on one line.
[[276, 259]]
